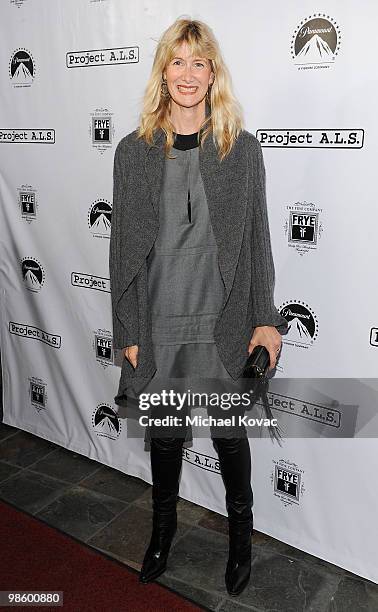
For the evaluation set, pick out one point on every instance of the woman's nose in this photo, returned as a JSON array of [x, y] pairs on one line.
[[188, 72]]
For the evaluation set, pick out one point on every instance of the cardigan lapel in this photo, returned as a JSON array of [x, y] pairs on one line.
[[225, 183], [154, 168]]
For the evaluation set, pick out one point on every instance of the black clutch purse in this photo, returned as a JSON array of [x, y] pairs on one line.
[[256, 367], [257, 363]]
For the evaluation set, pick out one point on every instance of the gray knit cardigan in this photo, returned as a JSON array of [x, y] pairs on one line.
[[236, 197]]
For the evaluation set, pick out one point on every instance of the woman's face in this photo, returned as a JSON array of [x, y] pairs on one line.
[[188, 77]]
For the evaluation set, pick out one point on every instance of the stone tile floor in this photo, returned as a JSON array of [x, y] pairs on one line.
[[111, 512]]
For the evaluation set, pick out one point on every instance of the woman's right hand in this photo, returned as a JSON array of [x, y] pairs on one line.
[[131, 354]]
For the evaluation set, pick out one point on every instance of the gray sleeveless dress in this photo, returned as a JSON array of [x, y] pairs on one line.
[[185, 286]]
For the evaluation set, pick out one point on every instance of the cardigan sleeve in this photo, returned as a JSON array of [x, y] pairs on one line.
[[264, 311], [125, 330]]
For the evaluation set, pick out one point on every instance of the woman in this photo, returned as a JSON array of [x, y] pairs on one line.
[[191, 267]]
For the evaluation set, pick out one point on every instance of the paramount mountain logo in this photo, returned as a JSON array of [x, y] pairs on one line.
[[298, 331], [100, 218], [314, 48], [22, 68], [303, 324], [32, 274], [105, 422], [315, 42]]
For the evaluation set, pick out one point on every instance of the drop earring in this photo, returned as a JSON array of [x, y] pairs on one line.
[[208, 94], [164, 89]]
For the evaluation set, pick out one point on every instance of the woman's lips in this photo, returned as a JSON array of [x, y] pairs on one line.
[[187, 90]]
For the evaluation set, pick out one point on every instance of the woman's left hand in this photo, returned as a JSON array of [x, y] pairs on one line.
[[267, 336]]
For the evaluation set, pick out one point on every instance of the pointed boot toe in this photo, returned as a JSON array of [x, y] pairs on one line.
[[238, 569], [154, 564], [166, 460], [155, 559], [237, 577]]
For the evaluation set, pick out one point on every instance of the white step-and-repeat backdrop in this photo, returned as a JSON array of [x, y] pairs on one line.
[[72, 78]]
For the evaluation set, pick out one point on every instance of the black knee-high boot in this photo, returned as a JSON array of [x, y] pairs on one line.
[[235, 463], [166, 461]]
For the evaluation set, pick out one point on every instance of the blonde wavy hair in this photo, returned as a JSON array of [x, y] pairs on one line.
[[224, 119]]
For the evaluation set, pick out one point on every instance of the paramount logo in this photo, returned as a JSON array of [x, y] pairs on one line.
[[315, 42], [303, 324]]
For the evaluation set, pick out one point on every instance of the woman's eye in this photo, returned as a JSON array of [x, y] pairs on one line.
[[200, 64]]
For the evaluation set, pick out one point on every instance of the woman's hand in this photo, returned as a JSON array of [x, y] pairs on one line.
[[267, 336], [131, 354]]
